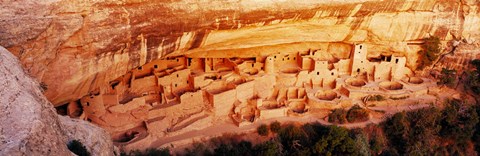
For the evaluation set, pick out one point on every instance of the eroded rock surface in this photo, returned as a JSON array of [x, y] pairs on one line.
[[29, 124], [76, 46]]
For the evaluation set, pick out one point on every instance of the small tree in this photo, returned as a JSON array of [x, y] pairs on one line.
[[275, 127], [262, 130], [448, 76], [338, 116], [78, 148], [357, 114]]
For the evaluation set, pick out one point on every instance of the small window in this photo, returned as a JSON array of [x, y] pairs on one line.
[[187, 81], [294, 58], [288, 58], [274, 56], [139, 68], [332, 73], [358, 70], [360, 46], [283, 59], [177, 59], [155, 66], [252, 65], [88, 104], [318, 73], [175, 85], [396, 60], [177, 75]]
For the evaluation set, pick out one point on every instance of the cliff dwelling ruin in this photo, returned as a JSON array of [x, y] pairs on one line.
[[184, 93]]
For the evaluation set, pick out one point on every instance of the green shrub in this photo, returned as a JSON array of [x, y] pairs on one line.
[[375, 98], [357, 114], [269, 148], [448, 76], [338, 116], [151, 152], [78, 148], [275, 126], [262, 130], [336, 141]]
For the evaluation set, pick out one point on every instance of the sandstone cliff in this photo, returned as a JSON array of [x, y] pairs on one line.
[[75, 46], [29, 124]]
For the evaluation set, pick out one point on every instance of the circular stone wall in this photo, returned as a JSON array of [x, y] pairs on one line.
[[356, 82], [389, 85], [326, 95], [290, 70], [415, 80], [297, 107]]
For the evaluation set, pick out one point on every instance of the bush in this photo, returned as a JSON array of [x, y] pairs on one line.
[[357, 114], [151, 152], [338, 116], [275, 126], [375, 98], [458, 122], [448, 76], [262, 130], [198, 149], [293, 137], [336, 141], [430, 51], [78, 148], [269, 148]]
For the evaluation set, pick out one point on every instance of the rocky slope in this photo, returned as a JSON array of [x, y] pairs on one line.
[[75, 46], [29, 124]]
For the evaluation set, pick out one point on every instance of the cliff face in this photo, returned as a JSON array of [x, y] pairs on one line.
[[29, 124], [75, 46]]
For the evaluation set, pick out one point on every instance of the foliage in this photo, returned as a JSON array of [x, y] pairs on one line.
[[78, 148], [293, 137], [357, 114], [458, 123], [362, 145], [375, 98], [430, 51], [262, 130], [427, 131], [472, 81], [335, 142], [338, 116], [397, 129], [150, 152], [269, 148], [448, 76], [198, 149], [275, 126]]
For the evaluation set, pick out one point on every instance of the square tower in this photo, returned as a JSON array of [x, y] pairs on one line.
[[359, 62]]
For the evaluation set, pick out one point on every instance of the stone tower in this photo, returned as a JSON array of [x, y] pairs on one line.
[[359, 63]]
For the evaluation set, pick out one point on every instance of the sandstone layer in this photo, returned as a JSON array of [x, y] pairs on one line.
[[29, 124], [76, 46]]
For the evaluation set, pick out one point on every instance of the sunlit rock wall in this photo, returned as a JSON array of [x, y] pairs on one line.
[[29, 124], [75, 46]]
